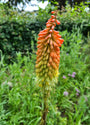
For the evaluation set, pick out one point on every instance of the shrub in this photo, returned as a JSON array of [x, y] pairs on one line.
[[19, 29]]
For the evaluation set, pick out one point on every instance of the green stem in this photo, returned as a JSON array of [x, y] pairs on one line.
[[45, 110]]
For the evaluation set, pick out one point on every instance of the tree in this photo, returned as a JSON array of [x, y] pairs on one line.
[[63, 2], [79, 1], [71, 2], [15, 2], [60, 2]]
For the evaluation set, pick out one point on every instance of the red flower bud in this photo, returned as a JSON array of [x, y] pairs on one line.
[[52, 16], [58, 23], [52, 12]]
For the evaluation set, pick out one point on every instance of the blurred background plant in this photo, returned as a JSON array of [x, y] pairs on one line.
[[20, 97]]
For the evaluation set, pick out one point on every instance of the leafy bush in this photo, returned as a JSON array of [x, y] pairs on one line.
[[19, 29], [74, 18]]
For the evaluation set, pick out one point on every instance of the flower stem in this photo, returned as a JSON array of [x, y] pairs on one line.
[[45, 109]]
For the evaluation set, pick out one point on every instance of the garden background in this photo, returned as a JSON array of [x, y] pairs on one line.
[[20, 97]]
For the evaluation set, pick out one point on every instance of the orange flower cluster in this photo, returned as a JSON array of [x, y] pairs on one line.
[[48, 53]]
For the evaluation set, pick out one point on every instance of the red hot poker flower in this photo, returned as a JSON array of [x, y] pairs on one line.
[[48, 52]]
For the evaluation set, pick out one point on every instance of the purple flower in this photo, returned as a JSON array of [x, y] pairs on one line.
[[77, 90], [64, 77], [67, 54], [77, 94], [74, 73], [65, 93], [73, 76], [69, 74]]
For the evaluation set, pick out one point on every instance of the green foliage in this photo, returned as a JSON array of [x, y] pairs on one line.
[[21, 101], [86, 50], [18, 29], [77, 17], [16, 33]]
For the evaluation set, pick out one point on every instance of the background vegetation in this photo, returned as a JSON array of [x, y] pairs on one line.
[[20, 97], [60, 3], [19, 30]]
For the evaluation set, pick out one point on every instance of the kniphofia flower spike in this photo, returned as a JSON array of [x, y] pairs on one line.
[[48, 53]]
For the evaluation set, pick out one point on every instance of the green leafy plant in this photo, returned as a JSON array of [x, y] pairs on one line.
[[18, 29]]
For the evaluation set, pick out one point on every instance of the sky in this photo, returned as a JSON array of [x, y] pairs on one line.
[[32, 6]]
